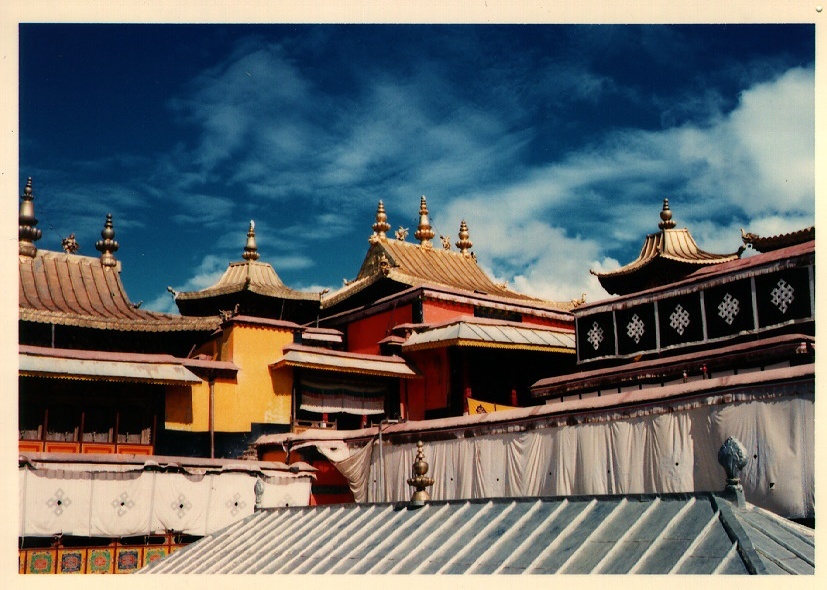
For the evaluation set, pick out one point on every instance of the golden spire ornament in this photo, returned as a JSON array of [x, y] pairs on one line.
[[28, 234], [419, 480], [107, 246], [381, 227], [250, 248], [666, 216], [463, 243], [424, 233]]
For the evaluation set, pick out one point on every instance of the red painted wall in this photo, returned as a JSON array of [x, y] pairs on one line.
[[430, 392], [569, 325], [435, 311], [363, 335]]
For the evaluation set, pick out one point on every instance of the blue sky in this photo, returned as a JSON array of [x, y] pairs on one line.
[[556, 143]]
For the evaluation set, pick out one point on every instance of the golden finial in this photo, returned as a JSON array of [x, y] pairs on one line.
[[419, 481], [464, 244], [424, 233], [28, 234], [70, 244], [666, 216], [250, 249], [107, 246], [381, 226]]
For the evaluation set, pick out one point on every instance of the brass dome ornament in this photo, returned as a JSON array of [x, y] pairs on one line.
[[419, 480], [28, 234], [424, 233], [733, 458], [250, 248], [381, 227], [463, 243], [666, 216], [107, 246]]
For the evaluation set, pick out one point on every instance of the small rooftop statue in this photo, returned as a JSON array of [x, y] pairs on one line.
[[401, 233], [419, 480], [70, 244], [733, 458]]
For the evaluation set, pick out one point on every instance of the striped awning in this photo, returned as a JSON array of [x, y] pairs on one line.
[[493, 334], [329, 360], [105, 370]]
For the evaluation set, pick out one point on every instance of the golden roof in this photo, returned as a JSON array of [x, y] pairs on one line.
[[250, 275], [666, 256], [423, 264], [72, 290]]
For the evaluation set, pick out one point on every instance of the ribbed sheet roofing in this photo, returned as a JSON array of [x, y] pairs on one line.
[[253, 276], [413, 265], [478, 332], [72, 290], [700, 533], [311, 357]]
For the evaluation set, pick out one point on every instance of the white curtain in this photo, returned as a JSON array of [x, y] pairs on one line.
[[119, 502], [663, 451]]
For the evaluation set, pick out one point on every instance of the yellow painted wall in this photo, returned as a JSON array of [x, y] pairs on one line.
[[256, 395]]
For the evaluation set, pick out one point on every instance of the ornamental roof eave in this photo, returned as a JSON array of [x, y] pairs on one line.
[[770, 243]]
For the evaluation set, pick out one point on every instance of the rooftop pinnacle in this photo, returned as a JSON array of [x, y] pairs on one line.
[[424, 233], [381, 226], [250, 249], [666, 216], [28, 234]]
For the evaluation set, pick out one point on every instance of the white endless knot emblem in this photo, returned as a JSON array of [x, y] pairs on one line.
[[181, 505], [635, 328], [782, 295], [235, 504], [729, 308], [123, 503], [595, 335], [679, 319], [58, 502]]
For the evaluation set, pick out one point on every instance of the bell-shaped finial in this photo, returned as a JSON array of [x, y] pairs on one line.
[[419, 480], [666, 216], [464, 243], [250, 248], [424, 233], [28, 234], [381, 227], [107, 246]]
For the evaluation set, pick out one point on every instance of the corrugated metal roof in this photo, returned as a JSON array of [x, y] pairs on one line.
[[670, 533], [72, 290], [499, 334], [296, 355]]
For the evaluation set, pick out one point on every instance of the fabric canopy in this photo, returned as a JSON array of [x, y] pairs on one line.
[[662, 450], [333, 398]]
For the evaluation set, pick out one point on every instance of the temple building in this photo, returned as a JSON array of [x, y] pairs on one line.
[[663, 376], [118, 424], [469, 337]]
